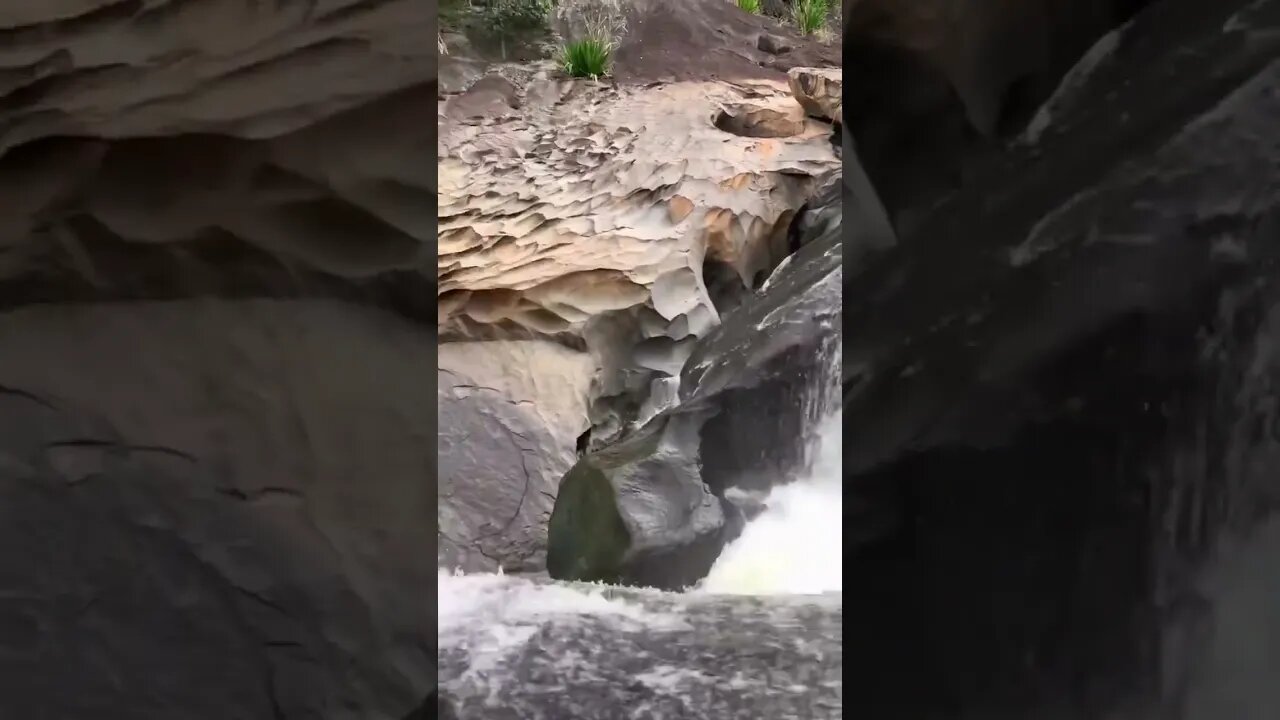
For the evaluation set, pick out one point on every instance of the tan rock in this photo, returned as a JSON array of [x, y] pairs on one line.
[[818, 90], [605, 198], [510, 413]]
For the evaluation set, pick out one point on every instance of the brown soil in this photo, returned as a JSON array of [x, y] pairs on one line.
[[702, 39]]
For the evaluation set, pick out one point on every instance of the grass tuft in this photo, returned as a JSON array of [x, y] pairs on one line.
[[810, 15], [751, 6], [586, 57], [590, 31]]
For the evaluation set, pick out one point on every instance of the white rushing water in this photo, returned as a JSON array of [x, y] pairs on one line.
[[795, 545]]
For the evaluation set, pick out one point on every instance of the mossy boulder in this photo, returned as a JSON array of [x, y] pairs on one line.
[[638, 512]]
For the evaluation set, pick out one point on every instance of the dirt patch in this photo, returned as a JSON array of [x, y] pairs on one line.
[[705, 39]]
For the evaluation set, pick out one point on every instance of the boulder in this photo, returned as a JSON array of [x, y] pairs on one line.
[[638, 512], [818, 90], [510, 414]]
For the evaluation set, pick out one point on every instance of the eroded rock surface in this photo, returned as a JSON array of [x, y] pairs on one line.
[[614, 197], [215, 446], [819, 90], [164, 150], [127, 69], [620, 221], [651, 509]]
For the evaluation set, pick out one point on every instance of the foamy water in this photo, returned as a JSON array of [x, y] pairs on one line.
[[795, 545]]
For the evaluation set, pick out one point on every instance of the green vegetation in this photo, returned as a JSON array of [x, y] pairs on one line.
[[506, 17], [508, 28], [586, 537], [751, 6], [589, 32], [810, 15], [587, 57]]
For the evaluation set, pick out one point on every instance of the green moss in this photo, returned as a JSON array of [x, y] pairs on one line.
[[587, 539]]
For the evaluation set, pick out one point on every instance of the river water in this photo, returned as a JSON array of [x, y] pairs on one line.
[[760, 636]]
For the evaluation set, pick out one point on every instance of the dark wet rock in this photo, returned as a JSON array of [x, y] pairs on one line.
[[936, 88], [772, 44], [642, 654], [638, 512], [649, 509], [1059, 390], [223, 518]]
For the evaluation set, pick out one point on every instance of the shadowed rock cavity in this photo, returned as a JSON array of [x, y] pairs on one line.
[[937, 86], [1060, 395]]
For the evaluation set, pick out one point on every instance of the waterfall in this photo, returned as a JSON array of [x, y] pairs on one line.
[[513, 648], [795, 544]]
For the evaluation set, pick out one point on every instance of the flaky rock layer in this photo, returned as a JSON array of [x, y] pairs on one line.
[[592, 199]]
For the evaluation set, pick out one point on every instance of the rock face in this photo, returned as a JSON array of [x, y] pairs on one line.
[[215, 438], [936, 86], [107, 69], [609, 199], [702, 39], [619, 222], [819, 90], [250, 477], [1060, 395], [299, 130], [651, 509], [510, 413], [1000, 57], [637, 654]]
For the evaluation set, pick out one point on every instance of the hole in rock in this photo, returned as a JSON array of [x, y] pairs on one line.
[[758, 122]]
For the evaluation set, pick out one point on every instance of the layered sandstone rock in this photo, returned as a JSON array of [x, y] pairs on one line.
[[597, 199], [215, 431], [615, 222], [818, 90], [162, 136], [119, 69]]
